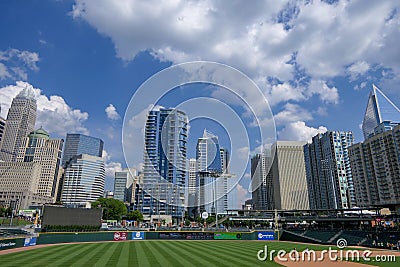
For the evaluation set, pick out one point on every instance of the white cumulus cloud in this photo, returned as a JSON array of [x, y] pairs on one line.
[[112, 113], [299, 131], [53, 113], [265, 39]]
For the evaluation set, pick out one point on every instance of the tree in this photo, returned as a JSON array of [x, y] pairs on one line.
[[135, 216], [113, 209]]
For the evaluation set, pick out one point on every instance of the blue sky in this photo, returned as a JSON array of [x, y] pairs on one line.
[[315, 61]]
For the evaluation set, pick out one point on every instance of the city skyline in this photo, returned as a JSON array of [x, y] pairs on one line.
[[85, 74]]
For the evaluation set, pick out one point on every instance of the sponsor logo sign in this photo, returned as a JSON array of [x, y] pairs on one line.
[[118, 236], [30, 241], [137, 235], [231, 236], [265, 236]]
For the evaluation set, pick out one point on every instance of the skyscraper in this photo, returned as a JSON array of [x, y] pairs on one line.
[[329, 176], [375, 163], [38, 147], [289, 176], [83, 181], [164, 172], [21, 119], [76, 144], [125, 185], [379, 109], [261, 180], [376, 169], [212, 173], [193, 189]]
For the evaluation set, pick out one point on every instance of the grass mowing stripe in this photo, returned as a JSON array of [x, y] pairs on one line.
[[202, 259], [174, 248], [123, 259], [215, 257], [76, 254], [142, 255], [17, 255], [194, 257], [113, 260], [171, 253], [92, 256], [223, 247], [161, 258], [39, 255], [50, 259], [102, 261], [133, 256]]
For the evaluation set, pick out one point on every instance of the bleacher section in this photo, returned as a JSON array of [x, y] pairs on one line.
[[352, 237], [291, 236], [323, 235]]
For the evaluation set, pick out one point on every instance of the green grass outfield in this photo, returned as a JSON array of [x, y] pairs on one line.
[[151, 253]]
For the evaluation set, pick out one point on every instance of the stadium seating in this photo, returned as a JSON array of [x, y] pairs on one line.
[[323, 235]]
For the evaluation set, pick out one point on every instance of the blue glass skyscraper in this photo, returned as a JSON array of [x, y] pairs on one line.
[[77, 144]]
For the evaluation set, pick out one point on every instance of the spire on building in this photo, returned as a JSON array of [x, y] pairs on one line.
[[379, 109]]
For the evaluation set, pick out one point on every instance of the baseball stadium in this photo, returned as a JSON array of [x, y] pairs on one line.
[[332, 238]]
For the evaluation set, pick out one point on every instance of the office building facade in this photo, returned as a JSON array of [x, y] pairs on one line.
[[19, 185], [164, 172], [328, 170], [38, 147], [212, 174], [289, 180], [84, 179], [261, 180], [77, 144], [125, 185], [21, 120]]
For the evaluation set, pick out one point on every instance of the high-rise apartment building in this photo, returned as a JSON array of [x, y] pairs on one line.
[[289, 176], [329, 175], [164, 172], [38, 147], [76, 144], [84, 180], [375, 163], [21, 119], [379, 109], [125, 185], [376, 169]]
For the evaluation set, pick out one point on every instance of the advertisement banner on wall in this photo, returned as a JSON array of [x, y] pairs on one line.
[[265, 236], [6, 244], [228, 236], [30, 241], [137, 235], [119, 236]]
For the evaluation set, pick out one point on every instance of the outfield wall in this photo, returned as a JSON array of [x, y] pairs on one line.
[[51, 238], [55, 238]]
